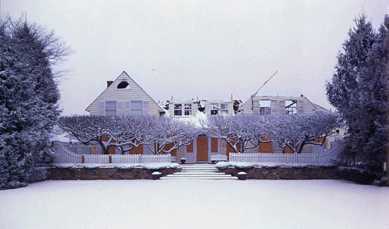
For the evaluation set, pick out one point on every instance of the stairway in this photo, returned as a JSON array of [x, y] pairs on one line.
[[199, 172]]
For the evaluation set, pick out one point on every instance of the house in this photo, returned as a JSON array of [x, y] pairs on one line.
[[280, 105], [203, 147], [124, 96], [191, 108]]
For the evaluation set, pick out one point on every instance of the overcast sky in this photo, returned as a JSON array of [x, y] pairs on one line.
[[204, 49]]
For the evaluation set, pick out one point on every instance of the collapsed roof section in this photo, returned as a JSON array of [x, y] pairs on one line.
[[186, 108]]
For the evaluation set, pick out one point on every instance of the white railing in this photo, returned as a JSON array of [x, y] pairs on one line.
[[96, 158], [160, 158], [312, 158], [125, 158], [64, 155]]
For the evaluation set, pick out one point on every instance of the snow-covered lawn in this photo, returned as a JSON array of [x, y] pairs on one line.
[[195, 204]]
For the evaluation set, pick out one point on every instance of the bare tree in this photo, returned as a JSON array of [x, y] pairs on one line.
[[160, 135], [128, 132], [296, 131], [164, 134], [90, 129], [240, 132]]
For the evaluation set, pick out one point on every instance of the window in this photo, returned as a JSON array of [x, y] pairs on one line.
[[178, 109], [264, 107], [136, 108], [187, 109], [291, 107], [224, 109], [122, 85], [214, 108], [110, 108]]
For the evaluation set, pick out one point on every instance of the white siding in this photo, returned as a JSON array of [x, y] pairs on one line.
[[133, 92], [304, 106]]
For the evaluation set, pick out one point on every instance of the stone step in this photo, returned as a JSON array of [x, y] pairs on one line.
[[200, 170], [199, 173], [203, 172], [199, 178]]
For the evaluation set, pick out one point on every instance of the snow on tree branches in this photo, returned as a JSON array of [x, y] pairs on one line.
[[28, 100], [240, 132], [358, 90], [289, 131], [295, 131], [160, 135]]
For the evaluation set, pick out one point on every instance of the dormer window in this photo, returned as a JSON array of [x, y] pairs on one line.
[[123, 85]]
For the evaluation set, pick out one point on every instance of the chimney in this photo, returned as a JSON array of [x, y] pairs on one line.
[[109, 83]]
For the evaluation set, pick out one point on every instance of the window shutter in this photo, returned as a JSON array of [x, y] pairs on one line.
[[119, 108], [101, 108], [127, 108], [145, 108]]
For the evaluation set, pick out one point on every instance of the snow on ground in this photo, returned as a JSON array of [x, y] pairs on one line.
[[195, 204]]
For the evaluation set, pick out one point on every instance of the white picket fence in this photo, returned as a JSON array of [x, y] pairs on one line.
[[64, 155], [161, 158], [96, 158], [132, 158], [311, 158]]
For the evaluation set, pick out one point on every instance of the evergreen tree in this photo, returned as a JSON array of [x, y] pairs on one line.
[[28, 101], [372, 99], [358, 91]]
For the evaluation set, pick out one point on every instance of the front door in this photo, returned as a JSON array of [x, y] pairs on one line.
[[202, 149]]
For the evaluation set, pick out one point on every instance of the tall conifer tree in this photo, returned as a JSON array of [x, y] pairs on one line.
[[358, 91], [28, 101]]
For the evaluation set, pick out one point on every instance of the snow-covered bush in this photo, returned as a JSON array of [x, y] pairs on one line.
[[358, 175]]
